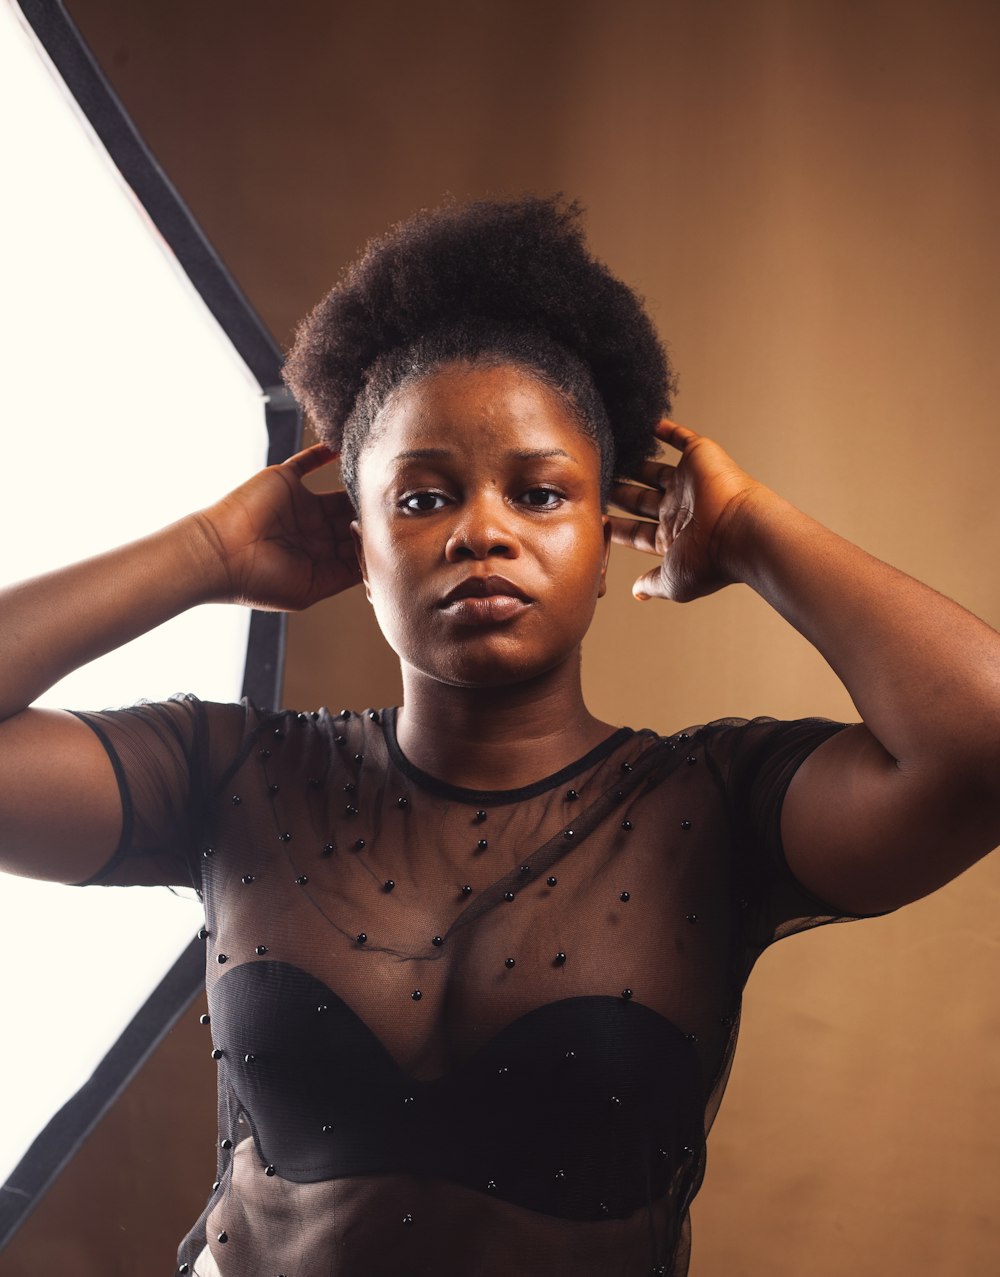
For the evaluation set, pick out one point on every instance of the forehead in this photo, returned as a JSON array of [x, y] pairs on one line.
[[477, 409]]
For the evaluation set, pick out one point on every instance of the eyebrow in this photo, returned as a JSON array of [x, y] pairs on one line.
[[519, 454]]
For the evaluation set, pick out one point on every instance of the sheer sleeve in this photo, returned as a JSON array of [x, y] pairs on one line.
[[757, 761], [169, 758]]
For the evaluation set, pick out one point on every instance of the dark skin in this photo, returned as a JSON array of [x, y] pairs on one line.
[[881, 814]]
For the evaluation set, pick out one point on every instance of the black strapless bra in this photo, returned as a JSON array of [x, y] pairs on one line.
[[585, 1108]]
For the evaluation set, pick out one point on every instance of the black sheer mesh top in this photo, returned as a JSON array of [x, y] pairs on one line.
[[460, 1032]]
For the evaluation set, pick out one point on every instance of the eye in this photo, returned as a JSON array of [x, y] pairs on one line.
[[422, 502], [542, 498]]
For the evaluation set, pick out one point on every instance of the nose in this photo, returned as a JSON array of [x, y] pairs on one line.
[[482, 529]]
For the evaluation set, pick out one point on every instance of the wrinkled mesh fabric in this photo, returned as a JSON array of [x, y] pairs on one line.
[[460, 1032]]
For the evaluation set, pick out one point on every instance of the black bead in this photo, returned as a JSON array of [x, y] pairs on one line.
[[560, 1174], [285, 837], [204, 1019], [508, 963], [408, 1099], [569, 833], [570, 1055], [249, 1058], [272, 788], [301, 880], [226, 1143], [480, 816], [222, 957], [503, 1070], [626, 767], [208, 853], [359, 758], [467, 890], [407, 1219], [344, 713], [402, 802], [571, 795], [438, 940], [265, 754], [388, 884], [616, 1101], [691, 1037], [223, 1237], [662, 1154], [359, 844], [687, 1150], [183, 1269], [482, 844], [603, 1207], [269, 1169], [508, 895], [491, 1186], [314, 715], [685, 825], [626, 825], [217, 1053], [279, 734], [690, 760], [692, 917], [326, 1129], [416, 995], [328, 849], [236, 800], [552, 881], [204, 933], [247, 879], [322, 1007], [362, 937], [350, 810], [340, 740], [624, 896], [261, 950], [525, 869], [626, 994], [560, 958], [373, 715], [683, 736], [217, 1184]]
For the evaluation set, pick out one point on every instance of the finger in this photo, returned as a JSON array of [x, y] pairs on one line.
[[650, 586], [636, 500], [310, 459], [637, 534], [675, 435], [658, 474]]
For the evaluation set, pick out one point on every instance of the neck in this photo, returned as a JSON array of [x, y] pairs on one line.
[[496, 737]]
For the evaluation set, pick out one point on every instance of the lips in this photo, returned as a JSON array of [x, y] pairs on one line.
[[484, 587]]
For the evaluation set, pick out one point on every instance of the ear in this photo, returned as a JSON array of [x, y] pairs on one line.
[[359, 550], [603, 587]]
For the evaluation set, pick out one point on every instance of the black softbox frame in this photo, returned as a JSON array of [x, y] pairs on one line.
[[59, 36]]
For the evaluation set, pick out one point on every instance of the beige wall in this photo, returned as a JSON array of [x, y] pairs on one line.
[[808, 195]]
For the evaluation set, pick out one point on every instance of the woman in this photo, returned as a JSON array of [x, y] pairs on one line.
[[475, 964]]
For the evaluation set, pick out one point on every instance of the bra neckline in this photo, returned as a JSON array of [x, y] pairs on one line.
[[495, 797]]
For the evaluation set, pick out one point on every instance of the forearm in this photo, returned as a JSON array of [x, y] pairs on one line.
[[55, 623], [923, 672]]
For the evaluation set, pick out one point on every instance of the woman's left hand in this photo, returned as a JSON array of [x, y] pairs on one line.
[[694, 504]]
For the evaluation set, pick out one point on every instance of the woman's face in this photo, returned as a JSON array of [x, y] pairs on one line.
[[481, 536]]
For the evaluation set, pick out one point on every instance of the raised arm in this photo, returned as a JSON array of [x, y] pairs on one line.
[[890, 809], [272, 543]]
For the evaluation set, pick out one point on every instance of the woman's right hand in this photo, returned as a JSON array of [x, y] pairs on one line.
[[278, 545]]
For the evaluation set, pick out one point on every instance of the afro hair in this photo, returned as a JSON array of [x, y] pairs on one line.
[[500, 281]]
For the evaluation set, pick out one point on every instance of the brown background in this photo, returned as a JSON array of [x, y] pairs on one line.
[[808, 195]]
